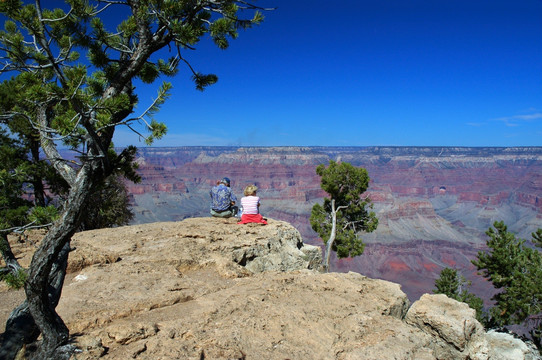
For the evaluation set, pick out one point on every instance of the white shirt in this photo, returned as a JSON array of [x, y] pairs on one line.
[[250, 204]]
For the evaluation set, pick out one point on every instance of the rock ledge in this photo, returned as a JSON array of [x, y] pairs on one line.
[[209, 288]]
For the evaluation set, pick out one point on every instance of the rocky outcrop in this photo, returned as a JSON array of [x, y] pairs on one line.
[[207, 288], [456, 334]]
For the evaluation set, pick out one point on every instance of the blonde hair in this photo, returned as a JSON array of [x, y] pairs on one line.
[[251, 190]]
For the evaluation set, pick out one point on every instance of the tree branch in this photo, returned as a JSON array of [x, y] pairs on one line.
[[12, 265], [50, 148], [46, 47]]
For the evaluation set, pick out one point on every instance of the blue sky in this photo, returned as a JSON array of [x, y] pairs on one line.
[[366, 73]]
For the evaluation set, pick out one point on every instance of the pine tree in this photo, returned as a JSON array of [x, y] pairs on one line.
[[109, 205], [455, 286], [516, 270], [13, 207], [345, 213]]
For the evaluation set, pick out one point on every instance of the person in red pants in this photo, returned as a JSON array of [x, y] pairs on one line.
[[251, 207]]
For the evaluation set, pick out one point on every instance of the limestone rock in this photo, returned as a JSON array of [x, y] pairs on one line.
[[456, 334], [447, 320], [91, 346], [84, 255], [126, 333], [505, 346], [281, 250], [209, 288]]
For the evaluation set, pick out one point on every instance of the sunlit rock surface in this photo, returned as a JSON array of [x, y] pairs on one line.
[[207, 288]]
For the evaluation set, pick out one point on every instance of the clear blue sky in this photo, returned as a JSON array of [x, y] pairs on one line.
[[364, 73]]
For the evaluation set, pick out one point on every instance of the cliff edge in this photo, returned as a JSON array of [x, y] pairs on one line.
[[207, 288]]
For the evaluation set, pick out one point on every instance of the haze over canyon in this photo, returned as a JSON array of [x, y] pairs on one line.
[[434, 204]]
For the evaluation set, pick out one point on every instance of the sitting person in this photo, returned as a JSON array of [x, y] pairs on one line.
[[223, 200], [251, 207]]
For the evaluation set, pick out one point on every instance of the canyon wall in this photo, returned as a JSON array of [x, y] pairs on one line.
[[434, 204]]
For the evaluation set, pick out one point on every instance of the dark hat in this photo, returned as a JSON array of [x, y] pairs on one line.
[[225, 181]]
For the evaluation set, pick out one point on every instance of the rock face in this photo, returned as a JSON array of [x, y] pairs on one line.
[[207, 288], [434, 204]]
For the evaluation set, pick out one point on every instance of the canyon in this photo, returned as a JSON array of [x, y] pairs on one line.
[[434, 204]]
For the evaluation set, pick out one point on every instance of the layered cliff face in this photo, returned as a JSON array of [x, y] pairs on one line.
[[433, 204]]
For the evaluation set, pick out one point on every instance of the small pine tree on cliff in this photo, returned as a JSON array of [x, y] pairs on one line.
[[516, 269], [455, 286], [345, 213]]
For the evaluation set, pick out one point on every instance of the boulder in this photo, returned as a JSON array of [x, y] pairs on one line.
[[281, 249], [456, 334], [503, 346], [451, 323]]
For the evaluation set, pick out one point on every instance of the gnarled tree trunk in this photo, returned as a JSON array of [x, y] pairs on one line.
[[332, 235], [42, 273], [20, 327], [46, 274]]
